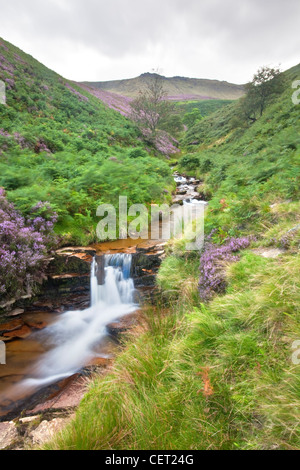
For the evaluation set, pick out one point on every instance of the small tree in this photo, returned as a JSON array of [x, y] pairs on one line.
[[151, 107], [266, 84]]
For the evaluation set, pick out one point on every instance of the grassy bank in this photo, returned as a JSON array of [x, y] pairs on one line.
[[217, 373], [60, 144], [195, 376]]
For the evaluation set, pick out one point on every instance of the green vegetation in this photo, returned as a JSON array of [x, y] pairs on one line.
[[199, 372], [60, 144], [178, 88], [267, 84], [217, 374], [245, 168], [205, 107]]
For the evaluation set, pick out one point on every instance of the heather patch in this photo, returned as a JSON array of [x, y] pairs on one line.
[[212, 261], [24, 244]]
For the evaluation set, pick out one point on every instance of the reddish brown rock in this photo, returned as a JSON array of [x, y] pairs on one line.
[[37, 325], [11, 326], [100, 362], [115, 329], [69, 396], [22, 333]]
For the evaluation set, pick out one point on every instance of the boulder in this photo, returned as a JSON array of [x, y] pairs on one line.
[[116, 328], [8, 435], [16, 312], [21, 333], [36, 325], [11, 326], [47, 431], [71, 260]]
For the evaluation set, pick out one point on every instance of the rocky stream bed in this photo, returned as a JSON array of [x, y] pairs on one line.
[[29, 419]]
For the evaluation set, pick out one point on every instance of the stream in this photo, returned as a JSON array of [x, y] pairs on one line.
[[73, 339]]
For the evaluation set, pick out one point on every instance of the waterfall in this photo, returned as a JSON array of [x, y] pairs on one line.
[[73, 337]]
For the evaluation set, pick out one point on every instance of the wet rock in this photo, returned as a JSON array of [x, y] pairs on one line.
[[100, 260], [67, 283], [21, 333], [179, 200], [8, 435], [146, 263], [145, 281], [66, 395], [45, 305], [16, 312], [68, 276], [36, 325], [71, 260], [115, 329], [102, 362], [5, 340], [11, 326]]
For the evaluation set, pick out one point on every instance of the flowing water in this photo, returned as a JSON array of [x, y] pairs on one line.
[[74, 337], [76, 334]]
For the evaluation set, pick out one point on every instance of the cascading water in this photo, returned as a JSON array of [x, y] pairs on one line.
[[74, 336]]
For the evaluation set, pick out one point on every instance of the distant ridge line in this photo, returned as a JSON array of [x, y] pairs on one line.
[[177, 88]]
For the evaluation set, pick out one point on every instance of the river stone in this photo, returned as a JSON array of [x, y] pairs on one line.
[[126, 323], [8, 435], [22, 333], [16, 312], [47, 431], [11, 326]]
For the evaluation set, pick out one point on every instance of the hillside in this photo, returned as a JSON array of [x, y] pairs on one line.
[[215, 363], [59, 143], [247, 165], [177, 88]]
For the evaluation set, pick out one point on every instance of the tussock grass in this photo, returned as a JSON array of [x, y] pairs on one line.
[[216, 376]]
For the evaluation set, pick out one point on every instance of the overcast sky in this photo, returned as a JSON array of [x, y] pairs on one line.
[[114, 39]]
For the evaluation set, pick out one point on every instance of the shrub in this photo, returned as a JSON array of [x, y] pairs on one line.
[[24, 244], [212, 278]]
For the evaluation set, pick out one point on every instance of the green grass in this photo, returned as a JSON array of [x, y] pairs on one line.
[[246, 167], [175, 86], [218, 375], [206, 107], [191, 376], [58, 143], [194, 376]]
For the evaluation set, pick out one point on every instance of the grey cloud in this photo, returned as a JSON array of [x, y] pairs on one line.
[[229, 32]]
